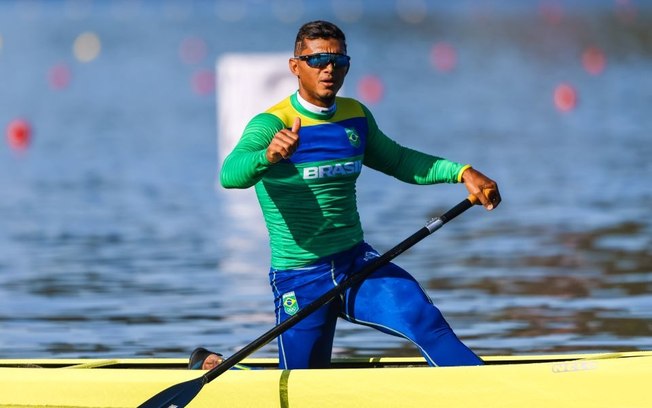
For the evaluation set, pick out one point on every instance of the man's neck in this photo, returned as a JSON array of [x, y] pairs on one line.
[[314, 108]]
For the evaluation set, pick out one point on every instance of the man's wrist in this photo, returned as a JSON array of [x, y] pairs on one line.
[[460, 175]]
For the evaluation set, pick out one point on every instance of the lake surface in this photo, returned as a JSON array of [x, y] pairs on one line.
[[116, 242]]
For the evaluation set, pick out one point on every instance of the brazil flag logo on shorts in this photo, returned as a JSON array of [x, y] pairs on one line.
[[290, 304]]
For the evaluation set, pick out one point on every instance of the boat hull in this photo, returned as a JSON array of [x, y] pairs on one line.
[[602, 380]]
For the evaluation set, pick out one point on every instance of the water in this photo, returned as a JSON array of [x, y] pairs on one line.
[[114, 241]]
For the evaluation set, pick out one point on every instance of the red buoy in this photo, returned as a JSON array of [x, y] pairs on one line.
[[19, 134], [371, 89], [59, 76], [443, 57], [203, 82], [565, 97], [593, 60]]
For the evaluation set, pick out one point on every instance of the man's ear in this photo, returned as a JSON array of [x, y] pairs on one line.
[[294, 66]]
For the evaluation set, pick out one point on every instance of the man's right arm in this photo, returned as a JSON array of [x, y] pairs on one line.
[[247, 164]]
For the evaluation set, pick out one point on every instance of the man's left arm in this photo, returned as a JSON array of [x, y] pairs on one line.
[[411, 166]]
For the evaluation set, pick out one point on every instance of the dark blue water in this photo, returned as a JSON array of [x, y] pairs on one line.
[[115, 241]]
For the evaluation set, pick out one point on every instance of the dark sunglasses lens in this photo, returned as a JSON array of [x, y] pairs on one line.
[[318, 60], [342, 61], [322, 60]]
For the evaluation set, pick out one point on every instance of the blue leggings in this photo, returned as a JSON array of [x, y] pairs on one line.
[[389, 300]]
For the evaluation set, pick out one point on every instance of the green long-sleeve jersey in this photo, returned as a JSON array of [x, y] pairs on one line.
[[309, 200]]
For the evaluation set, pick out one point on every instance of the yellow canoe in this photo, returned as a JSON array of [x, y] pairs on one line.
[[578, 380]]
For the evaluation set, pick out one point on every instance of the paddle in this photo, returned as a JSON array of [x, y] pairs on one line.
[[180, 395]]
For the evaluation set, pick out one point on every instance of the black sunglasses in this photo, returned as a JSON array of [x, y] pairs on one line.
[[322, 59]]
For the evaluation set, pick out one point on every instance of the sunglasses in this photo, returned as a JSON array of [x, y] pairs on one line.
[[322, 59]]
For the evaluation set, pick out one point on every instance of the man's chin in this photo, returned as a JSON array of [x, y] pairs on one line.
[[327, 95]]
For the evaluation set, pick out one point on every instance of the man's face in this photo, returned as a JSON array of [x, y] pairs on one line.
[[319, 86]]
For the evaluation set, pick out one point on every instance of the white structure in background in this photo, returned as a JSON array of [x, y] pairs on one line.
[[246, 84]]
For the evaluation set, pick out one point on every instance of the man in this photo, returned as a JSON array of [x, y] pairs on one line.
[[303, 156]]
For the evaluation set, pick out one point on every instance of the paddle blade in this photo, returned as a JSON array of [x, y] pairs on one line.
[[176, 396]]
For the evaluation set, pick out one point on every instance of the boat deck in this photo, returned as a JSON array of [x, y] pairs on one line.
[[271, 363], [570, 380]]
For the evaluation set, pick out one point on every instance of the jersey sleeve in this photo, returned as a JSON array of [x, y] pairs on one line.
[[408, 165], [247, 163]]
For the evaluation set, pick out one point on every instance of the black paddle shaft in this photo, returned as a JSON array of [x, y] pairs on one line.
[[181, 394], [329, 296]]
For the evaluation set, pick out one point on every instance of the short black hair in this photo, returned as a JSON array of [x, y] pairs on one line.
[[317, 29]]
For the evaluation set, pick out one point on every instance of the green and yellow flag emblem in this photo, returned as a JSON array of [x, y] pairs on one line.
[[290, 304]]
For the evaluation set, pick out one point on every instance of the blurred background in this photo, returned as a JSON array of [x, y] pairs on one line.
[[115, 240]]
